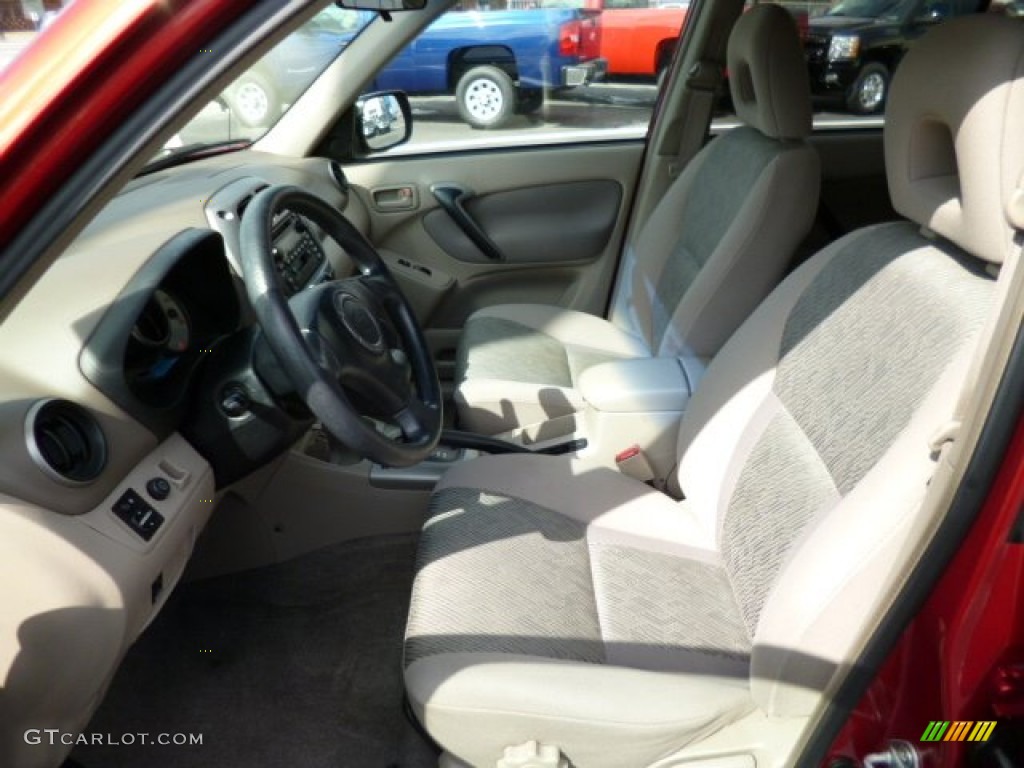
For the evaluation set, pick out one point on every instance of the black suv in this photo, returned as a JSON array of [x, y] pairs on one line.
[[853, 48]]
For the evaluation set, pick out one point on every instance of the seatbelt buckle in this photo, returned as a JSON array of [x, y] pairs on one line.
[[633, 463]]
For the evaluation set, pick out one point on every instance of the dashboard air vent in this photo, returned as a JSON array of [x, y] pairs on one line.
[[338, 174], [65, 441]]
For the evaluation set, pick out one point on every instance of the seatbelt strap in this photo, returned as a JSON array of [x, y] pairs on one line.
[[703, 81]]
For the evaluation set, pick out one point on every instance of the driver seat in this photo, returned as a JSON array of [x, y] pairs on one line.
[[565, 611]]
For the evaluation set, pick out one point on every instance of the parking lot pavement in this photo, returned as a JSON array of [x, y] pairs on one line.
[[436, 120], [601, 111]]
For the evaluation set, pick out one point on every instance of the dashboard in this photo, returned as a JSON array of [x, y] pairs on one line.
[[145, 351], [194, 307], [113, 422], [179, 350], [175, 313], [124, 323]]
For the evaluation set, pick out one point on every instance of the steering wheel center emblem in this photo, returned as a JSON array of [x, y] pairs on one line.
[[359, 322]]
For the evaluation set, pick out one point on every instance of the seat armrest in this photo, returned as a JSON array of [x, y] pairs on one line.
[[644, 385]]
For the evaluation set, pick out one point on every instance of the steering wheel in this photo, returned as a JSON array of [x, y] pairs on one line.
[[351, 348]]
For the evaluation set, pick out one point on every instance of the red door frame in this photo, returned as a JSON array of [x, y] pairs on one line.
[[73, 87], [959, 658]]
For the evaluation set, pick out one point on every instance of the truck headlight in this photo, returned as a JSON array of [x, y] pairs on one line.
[[843, 47]]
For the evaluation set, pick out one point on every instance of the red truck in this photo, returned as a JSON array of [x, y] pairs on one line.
[[638, 37]]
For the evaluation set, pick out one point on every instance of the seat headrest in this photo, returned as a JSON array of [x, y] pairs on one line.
[[954, 133], [768, 74]]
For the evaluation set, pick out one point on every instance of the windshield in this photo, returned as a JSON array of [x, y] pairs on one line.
[[253, 103], [871, 9]]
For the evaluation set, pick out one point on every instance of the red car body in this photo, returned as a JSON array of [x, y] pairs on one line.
[[60, 108], [639, 41], [962, 656]]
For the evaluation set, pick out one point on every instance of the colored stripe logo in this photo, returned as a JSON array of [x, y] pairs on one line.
[[961, 730]]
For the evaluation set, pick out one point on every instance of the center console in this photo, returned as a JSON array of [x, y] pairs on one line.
[[298, 253], [299, 246], [637, 403]]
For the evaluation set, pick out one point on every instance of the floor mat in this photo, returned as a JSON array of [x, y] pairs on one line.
[[297, 664]]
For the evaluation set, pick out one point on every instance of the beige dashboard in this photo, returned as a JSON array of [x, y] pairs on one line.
[[85, 565]]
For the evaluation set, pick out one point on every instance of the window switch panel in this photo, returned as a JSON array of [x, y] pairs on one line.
[[134, 512]]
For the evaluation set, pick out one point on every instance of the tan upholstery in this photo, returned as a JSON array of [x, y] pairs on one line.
[[767, 75], [490, 693], [953, 144], [564, 603], [476, 694], [715, 245], [491, 405]]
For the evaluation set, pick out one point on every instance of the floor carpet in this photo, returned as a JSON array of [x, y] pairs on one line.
[[297, 664]]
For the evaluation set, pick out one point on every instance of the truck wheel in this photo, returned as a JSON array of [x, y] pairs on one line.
[[529, 100], [869, 91], [254, 101], [486, 97]]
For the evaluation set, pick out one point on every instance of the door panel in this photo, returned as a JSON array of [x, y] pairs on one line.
[[556, 213], [520, 223]]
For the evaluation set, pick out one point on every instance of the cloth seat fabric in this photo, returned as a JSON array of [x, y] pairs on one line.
[[810, 429], [715, 245], [520, 364], [563, 603], [594, 568]]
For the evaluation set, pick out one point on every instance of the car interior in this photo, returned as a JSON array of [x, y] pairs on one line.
[[595, 453], [714, 246]]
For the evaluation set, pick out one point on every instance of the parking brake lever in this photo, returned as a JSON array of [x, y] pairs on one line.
[[458, 439], [451, 197]]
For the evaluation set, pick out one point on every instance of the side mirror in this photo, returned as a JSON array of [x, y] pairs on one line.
[[383, 120]]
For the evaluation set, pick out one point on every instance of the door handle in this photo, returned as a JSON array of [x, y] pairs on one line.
[[451, 197]]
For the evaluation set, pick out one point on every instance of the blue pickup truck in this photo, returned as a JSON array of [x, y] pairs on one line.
[[498, 63], [495, 63]]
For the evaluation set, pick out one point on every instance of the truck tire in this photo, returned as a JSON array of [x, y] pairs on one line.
[[869, 91], [529, 100], [253, 101], [486, 97]]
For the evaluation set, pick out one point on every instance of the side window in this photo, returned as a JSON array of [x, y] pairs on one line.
[[850, 59], [512, 72], [509, 72], [853, 48]]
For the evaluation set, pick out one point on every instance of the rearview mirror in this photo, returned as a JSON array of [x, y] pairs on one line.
[[382, 5], [383, 120]]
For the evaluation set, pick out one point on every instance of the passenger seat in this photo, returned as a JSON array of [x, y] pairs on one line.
[[715, 246]]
